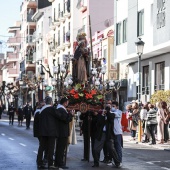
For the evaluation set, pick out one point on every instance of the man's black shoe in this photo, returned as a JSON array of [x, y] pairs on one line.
[[63, 167], [95, 166], [41, 167], [83, 159], [53, 167]]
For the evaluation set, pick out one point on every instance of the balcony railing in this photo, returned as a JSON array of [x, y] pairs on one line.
[[145, 90], [29, 59], [159, 87], [12, 71], [14, 40], [30, 39], [27, 2], [29, 18]]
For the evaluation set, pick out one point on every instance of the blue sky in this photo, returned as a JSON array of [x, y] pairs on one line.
[[9, 13]]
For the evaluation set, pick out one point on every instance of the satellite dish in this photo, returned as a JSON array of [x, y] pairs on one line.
[[107, 23]]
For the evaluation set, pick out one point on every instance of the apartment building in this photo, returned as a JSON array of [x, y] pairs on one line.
[[12, 65], [28, 26], [72, 17], [149, 20]]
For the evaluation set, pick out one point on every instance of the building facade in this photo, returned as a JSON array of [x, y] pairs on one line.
[[148, 20]]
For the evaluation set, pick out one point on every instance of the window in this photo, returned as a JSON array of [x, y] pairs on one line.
[[84, 24], [159, 76], [140, 23], [58, 37], [69, 26], [58, 10], [125, 30], [54, 15], [118, 34], [64, 34], [145, 80]]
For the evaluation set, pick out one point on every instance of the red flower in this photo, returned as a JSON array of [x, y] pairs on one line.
[[76, 96], [82, 85], [84, 91], [93, 92], [101, 100], [72, 92], [88, 96]]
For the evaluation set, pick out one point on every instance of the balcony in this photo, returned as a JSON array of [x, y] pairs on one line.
[[145, 90], [12, 57], [52, 26], [56, 22], [36, 37], [13, 73], [159, 87], [30, 66], [29, 18], [29, 40], [67, 13], [61, 17], [13, 41], [28, 4]]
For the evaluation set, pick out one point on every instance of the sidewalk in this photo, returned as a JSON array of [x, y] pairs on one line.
[[165, 146]]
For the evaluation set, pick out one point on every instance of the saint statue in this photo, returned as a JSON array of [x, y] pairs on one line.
[[81, 60]]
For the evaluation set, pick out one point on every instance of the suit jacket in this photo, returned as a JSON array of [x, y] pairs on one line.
[[64, 120], [108, 121], [49, 121], [28, 111]]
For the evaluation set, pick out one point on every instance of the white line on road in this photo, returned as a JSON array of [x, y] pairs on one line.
[[165, 168], [152, 162], [2, 134], [167, 161], [22, 144], [35, 152], [10, 138]]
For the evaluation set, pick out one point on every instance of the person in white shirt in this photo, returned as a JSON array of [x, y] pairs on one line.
[[118, 140]]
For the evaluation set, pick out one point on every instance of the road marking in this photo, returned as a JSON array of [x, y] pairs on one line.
[[165, 168], [35, 152], [2, 134], [167, 161], [22, 144], [152, 162], [10, 138]]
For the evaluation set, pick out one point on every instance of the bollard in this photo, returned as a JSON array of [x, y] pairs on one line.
[[139, 131]]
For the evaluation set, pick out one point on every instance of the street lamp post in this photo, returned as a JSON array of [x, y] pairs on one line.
[[139, 46]]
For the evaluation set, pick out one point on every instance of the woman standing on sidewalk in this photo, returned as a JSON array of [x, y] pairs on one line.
[[161, 121], [166, 124], [151, 122], [133, 116]]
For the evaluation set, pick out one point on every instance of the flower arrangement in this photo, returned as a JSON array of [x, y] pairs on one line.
[[79, 93]]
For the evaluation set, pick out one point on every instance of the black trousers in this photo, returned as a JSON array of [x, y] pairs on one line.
[[98, 146], [46, 142], [152, 128], [166, 133], [28, 120], [11, 118], [92, 145], [60, 149], [85, 136]]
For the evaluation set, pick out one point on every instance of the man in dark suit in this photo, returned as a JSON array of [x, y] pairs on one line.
[[11, 112], [62, 141], [28, 111], [48, 130], [104, 133]]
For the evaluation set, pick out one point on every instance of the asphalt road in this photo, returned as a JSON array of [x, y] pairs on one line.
[[18, 149]]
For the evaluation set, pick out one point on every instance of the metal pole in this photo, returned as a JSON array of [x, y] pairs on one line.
[[139, 72], [139, 95]]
